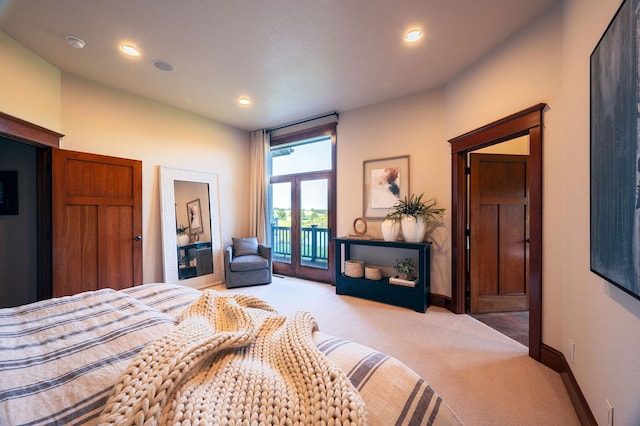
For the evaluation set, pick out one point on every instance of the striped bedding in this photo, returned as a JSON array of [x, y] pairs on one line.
[[59, 358]]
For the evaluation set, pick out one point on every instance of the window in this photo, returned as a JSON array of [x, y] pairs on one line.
[[308, 156]]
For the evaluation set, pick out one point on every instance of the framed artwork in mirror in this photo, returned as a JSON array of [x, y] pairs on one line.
[[195, 219], [8, 192]]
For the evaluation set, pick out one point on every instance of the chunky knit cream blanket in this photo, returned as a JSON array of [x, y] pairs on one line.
[[233, 360]]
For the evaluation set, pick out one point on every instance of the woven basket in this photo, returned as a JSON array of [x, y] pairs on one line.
[[372, 273], [354, 268]]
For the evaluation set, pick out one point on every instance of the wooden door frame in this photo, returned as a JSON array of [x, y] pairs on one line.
[[523, 123], [19, 130]]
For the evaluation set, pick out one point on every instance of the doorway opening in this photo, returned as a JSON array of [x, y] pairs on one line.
[[498, 285], [524, 123], [301, 203], [18, 222], [18, 130]]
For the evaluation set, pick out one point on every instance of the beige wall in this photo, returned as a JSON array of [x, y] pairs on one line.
[[29, 86], [517, 146], [602, 320], [525, 71], [412, 126], [549, 62], [101, 120]]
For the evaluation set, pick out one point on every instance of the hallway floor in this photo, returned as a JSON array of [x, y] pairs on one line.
[[512, 324]]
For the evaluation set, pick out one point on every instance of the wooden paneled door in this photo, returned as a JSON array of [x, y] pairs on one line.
[[498, 223], [96, 221]]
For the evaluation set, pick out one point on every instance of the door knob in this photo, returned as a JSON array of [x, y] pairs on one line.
[[138, 238]]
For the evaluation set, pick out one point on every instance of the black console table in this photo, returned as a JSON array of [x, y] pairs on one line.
[[416, 298], [185, 255]]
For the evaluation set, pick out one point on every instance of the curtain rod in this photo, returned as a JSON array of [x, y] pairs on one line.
[[304, 121]]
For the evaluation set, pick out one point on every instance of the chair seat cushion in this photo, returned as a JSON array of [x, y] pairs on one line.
[[248, 263]]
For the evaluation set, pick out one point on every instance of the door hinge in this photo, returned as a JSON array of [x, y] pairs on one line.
[[467, 232], [467, 170]]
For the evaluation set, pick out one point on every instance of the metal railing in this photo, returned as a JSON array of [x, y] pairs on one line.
[[281, 240], [314, 242]]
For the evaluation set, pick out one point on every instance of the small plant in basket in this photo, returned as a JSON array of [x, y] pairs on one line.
[[406, 269]]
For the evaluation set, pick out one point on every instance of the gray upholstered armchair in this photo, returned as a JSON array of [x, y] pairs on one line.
[[247, 263]]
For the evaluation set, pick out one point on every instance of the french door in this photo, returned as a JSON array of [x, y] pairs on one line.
[[302, 200], [301, 225]]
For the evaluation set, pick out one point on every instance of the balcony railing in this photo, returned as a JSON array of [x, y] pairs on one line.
[[314, 242]]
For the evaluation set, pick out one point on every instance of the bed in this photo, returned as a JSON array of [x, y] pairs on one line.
[[69, 360]]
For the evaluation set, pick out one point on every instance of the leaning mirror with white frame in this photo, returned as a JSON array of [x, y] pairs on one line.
[[191, 236]]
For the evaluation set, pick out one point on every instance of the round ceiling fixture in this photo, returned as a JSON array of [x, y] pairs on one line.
[[413, 36], [244, 101], [76, 42], [163, 65], [129, 50]]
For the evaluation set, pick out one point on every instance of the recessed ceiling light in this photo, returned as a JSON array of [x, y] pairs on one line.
[[413, 36], [127, 49], [244, 101], [76, 42]]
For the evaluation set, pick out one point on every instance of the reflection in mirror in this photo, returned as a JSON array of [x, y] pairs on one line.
[[191, 227], [193, 230]]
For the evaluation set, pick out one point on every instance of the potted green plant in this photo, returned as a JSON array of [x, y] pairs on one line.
[[405, 269], [415, 216]]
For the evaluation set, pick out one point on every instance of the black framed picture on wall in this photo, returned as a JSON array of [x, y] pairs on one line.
[[615, 153], [8, 192]]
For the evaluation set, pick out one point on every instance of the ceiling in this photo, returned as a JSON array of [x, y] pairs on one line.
[[293, 58]]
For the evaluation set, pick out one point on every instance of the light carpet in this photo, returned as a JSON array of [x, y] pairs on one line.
[[486, 377]]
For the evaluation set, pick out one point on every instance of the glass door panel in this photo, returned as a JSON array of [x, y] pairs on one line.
[[314, 229], [281, 222]]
